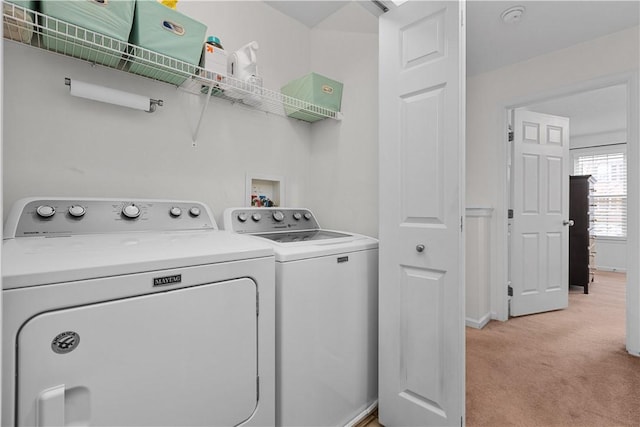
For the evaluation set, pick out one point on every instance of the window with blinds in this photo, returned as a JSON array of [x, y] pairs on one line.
[[610, 196]]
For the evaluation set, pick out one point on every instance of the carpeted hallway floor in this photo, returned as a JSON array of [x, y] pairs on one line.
[[562, 368]]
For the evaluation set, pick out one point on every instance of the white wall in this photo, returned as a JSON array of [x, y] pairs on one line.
[[489, 93], [344, 168], [611, 255], [477, 266], [55, 144]]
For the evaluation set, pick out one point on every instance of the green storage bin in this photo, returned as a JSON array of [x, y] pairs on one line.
[[167, 32], [112, 18], [28, 4], [315, 89], [14, 25]]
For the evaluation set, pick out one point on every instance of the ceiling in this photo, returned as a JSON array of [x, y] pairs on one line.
[[545, 26], [309, 12], [594, 112]]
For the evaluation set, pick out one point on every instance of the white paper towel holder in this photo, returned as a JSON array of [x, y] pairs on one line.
[[113, 96]]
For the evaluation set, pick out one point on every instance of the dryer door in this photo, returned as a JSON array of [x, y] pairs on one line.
[[182, 357]]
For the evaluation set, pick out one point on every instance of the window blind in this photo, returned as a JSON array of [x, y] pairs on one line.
[[610, 196]]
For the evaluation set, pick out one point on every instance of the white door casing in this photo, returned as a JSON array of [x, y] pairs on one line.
[[540, 202], [421, 309]]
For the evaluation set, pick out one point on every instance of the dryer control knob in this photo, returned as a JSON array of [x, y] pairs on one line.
[[77, 211], [278, 216], [131, 211], [45, 211], [307, 215], [242, 217], [297, 216], [256, 217], [194, 211], [175, 211]]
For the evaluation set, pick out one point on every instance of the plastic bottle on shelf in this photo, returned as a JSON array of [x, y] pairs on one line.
[[214, 62], [169, 3], [214, 41]]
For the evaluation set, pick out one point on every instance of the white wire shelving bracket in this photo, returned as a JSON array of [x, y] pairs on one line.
[[44, 32]]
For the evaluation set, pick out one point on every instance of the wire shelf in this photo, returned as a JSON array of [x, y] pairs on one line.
[[36, 29]]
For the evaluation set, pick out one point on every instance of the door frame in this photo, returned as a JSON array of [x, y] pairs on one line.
[[499, 297]]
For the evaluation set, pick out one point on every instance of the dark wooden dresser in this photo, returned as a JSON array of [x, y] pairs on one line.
[[581, 241]]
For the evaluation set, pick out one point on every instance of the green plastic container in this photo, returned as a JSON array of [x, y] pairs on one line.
[[14, 25], [112, 18], [167, 32], [315, 89], [28, 4]]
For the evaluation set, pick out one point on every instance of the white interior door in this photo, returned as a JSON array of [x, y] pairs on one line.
[[540, 201], [421, 311]]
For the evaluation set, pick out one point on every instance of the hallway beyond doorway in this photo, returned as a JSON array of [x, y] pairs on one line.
[[566, 367]]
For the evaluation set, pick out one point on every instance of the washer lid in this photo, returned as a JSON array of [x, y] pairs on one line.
[[305, 249], [33, 261], [302, 236]]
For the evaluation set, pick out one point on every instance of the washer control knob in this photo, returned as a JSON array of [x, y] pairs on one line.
[[242, 217], [297, 216], [307, 216], [256, 217], [175, 211], [278, 216], [131, 211], [45, 211], [194, 211], [77, 211]]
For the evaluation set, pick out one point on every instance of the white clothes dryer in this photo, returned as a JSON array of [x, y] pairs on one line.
[[326, 316], [134, 313]]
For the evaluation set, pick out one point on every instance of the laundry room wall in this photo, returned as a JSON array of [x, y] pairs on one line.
[[55, 144], [488, 92], [343, 182]]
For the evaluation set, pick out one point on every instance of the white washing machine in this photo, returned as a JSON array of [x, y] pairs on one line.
[[134, 313], [326, 316]]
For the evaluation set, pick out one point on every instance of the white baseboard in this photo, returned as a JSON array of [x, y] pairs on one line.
[[362, 415], [480, 323], [612, 269]]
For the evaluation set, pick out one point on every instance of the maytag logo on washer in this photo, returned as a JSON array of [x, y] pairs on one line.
[[167, 280], [65, 342]]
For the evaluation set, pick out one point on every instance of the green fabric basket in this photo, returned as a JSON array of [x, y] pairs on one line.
[[112, 18], [167, 32], [28, 4], [14, 27], [315, 89]]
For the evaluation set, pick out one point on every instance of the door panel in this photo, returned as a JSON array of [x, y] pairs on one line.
[[183, 357], [540, 240], [421, 350]]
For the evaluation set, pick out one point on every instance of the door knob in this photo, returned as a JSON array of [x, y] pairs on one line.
[[420, 248], [568, 222]]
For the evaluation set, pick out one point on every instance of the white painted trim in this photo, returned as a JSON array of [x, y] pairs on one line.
[[370, 409], [612, 269], [480, 323], [500, 301], [633, 215], [479, 212]]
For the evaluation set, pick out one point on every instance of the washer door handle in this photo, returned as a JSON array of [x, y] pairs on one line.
[[420, 248]]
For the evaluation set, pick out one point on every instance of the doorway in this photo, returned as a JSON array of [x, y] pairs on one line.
[[623, 88], [596, 147]]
